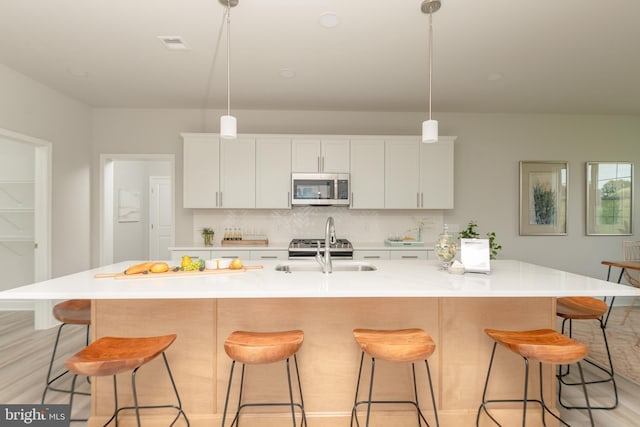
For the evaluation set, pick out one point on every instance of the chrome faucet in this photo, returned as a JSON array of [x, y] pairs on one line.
[[329, 239]]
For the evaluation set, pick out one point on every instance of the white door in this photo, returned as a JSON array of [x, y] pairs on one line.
[[160, 217]]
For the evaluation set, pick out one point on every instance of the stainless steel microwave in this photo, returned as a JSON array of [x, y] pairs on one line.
[[320, 189]]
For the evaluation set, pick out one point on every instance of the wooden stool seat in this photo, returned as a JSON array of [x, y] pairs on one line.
[[399, 345], [111, 355], [544, 345], [73, 312], [253, 348], [588, 308]]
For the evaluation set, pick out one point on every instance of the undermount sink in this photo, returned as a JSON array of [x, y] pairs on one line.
[[337, 266]]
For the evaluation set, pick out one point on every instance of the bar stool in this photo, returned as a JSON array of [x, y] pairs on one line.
[[585, 308], [71, 312], [256, 348], [545, 346], [396, 345], [113, 355]]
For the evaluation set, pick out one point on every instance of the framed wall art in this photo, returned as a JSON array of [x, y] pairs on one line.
[[543, 198], [609, 198], [128, 206]]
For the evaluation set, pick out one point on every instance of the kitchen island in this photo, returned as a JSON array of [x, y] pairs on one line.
[[203, 310]]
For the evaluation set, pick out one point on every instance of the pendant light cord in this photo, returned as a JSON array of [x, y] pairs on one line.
[[430, 58], [228, 57]]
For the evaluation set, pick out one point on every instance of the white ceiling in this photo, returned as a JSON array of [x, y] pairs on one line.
[[565, 56]]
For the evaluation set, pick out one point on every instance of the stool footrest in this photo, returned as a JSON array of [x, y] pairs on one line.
[[543, 405], [133, 408]]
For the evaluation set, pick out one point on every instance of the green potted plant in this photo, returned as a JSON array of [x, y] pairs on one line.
[[207, 235], [471, 233]]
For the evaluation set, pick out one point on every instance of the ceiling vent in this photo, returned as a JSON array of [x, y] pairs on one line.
[[173, 42]]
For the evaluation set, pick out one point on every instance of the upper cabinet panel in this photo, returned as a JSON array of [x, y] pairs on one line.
[[320, 155], [436, 174], [201, 177]]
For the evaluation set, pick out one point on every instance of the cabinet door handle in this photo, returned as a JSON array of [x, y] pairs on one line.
[[322, 163], [417, 200], [422, 200], [221, 199], [371, 257], [268, 257], [216, 199], [351, 202], [319, 167], [288, 199], [409, 257]]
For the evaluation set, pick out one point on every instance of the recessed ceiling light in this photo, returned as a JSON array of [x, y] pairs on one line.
[[495, 76], [329, 20], [287, 73], [173, 42], [75, 72]]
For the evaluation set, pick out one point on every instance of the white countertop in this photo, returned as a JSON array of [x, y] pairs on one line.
[[392, 279]]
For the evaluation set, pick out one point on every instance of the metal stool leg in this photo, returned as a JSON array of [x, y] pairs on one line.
[[370, 400], [355, 400], [226, 400], [609, 372], [136, 406], [304, 416], [525, 400], [50, 381], [292, 404], [433, 396], [373, 369]]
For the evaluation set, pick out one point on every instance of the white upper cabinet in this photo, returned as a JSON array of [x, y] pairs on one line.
[[201, 177], [237, 173], [436, 174], [402, 174], [417, 175], [273, 173], [320, 155], [254, 171], [367, 174], [218, 173]]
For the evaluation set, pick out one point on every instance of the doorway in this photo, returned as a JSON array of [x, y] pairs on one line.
[[135, 223], [160, 218], [25, 215]]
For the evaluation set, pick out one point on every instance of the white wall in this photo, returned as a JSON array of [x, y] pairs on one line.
[[488, 149], [32, 109]]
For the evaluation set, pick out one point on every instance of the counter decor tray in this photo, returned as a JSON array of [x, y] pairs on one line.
[[404, 243], [178, 273]]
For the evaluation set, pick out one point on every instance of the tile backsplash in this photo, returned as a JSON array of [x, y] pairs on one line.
[[365, 226]]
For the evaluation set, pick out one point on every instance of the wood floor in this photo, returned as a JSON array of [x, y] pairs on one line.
[[25, 355]]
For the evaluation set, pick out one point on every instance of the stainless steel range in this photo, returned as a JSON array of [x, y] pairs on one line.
[[307, 248]]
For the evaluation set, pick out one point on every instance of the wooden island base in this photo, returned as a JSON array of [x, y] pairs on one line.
[[328, 359]]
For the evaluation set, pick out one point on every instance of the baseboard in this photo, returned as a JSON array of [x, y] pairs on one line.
[[17, 305]]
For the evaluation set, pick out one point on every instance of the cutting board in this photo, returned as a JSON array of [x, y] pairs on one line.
[[172, 273]]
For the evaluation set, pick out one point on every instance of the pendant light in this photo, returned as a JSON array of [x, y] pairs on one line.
[[430, 126], [228, 127]]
